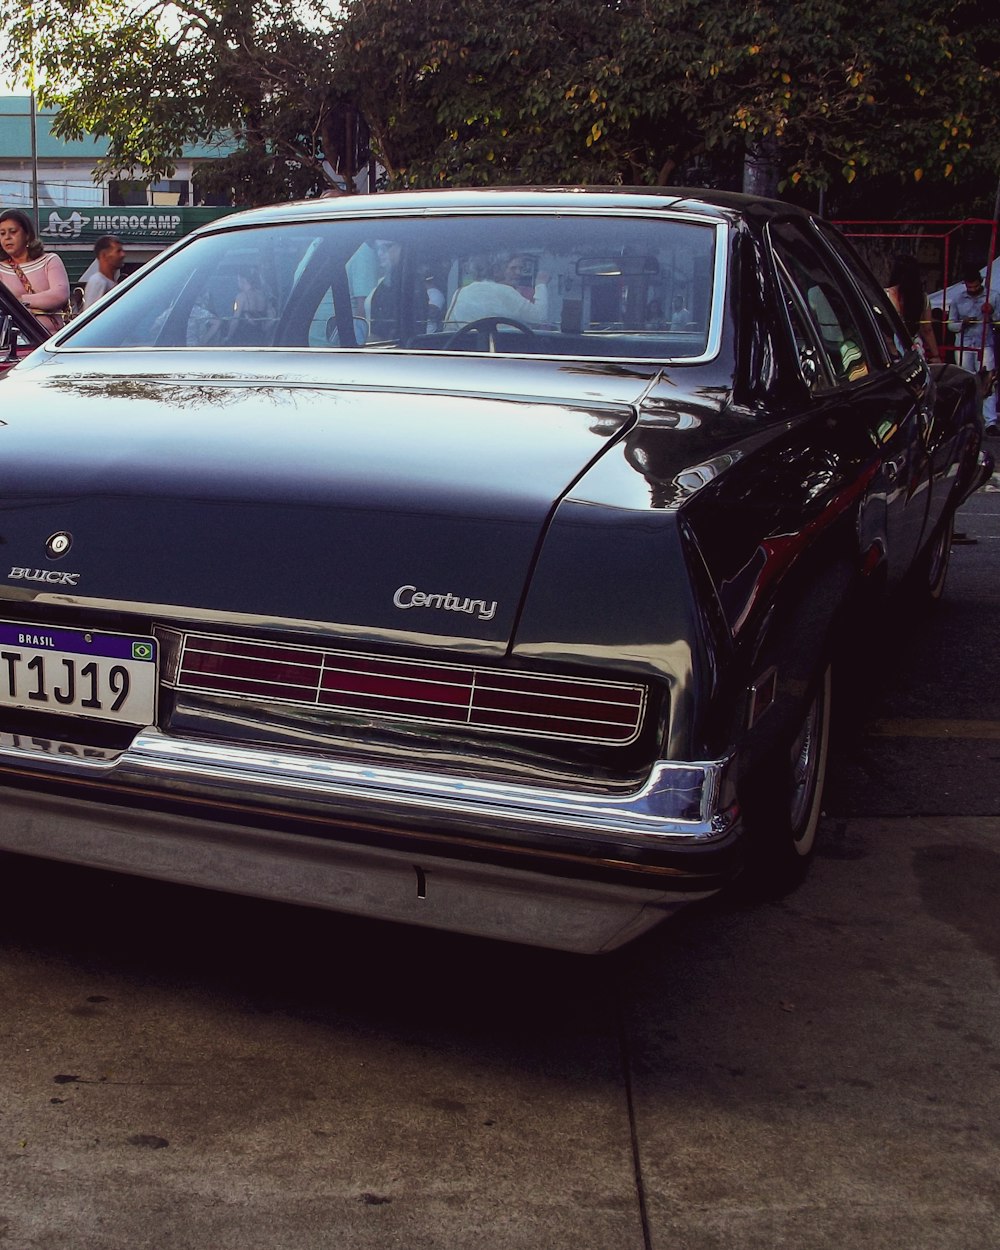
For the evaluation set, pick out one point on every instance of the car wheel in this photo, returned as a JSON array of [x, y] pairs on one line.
[[936, 560], [782, 808]]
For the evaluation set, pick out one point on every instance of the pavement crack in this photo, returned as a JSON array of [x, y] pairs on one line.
[[626, 1062]]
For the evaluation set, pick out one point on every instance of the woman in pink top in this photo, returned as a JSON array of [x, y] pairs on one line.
[[36, 277]]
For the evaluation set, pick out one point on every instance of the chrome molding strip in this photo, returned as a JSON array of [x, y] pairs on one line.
[[648, 362], [680, 803], [665, 212]]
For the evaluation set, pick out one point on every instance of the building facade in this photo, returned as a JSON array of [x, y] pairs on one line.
[[73, 211]]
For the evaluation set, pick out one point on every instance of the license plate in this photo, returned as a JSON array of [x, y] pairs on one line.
[[27, 744], [76, 672]]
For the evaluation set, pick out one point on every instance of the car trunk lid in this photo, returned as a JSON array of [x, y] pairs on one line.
[[368, 511]]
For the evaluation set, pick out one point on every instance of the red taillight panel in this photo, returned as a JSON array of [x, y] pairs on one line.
[[501, 701]]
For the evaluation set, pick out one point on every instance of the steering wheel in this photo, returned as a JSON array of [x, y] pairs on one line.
[[489, 326]]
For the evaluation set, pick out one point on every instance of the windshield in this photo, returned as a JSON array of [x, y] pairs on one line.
[[619, 287]]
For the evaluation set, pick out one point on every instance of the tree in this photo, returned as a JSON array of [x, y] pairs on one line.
[[545, 91], [842, 88], [167, 73], [641, 91], [822, 94]]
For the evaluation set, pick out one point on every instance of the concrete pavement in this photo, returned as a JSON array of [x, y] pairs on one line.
[[180, 1070]]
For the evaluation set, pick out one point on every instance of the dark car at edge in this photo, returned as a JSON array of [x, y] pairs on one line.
[[20, 331]]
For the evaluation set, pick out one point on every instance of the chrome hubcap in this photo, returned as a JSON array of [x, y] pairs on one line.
[[805, 760], [939, 559]]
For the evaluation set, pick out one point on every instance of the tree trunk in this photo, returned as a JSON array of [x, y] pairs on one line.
[[760, 167]]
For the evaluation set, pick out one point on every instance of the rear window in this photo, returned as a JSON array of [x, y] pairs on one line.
[[618, 287]]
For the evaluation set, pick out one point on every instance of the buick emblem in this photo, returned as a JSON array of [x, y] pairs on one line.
[[58, 544]]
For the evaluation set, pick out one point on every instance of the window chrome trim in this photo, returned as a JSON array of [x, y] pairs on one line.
[[439, 671], [713, 340]]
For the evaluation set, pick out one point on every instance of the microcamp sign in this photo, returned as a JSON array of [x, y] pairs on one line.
[[153, 226]]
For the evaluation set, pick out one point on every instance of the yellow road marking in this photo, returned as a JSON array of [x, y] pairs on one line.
[[984, 730]]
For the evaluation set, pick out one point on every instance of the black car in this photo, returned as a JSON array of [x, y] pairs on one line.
[[20, 332], [474, 559]]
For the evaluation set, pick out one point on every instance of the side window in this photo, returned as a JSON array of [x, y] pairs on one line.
[[824, 301], [808, 349], [894, 336]]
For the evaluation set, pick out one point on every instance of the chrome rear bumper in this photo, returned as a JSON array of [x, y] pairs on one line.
[[572, 870], [680, 803]]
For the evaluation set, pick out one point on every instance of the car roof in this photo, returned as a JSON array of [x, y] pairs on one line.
[[724, 205]]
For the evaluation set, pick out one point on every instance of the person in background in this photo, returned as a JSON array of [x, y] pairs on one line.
[[939, 325], [252, 301], [382, 307], [906, 290], [435, 304], [655, 320], [519, 272], [109, 253], [681, 314], [253, 309], [970, 319], [35, 277]]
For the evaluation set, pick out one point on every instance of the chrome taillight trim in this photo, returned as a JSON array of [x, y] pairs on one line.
[[478, 697]]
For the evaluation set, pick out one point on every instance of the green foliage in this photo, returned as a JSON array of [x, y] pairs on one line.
[[833, 94], [158, 76], [546, 91], [641, 91]]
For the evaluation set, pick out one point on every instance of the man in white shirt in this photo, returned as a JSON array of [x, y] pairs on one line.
[[498, 297], [110, 254]]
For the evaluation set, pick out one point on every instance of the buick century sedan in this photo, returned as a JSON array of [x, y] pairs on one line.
[[471, 559]]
